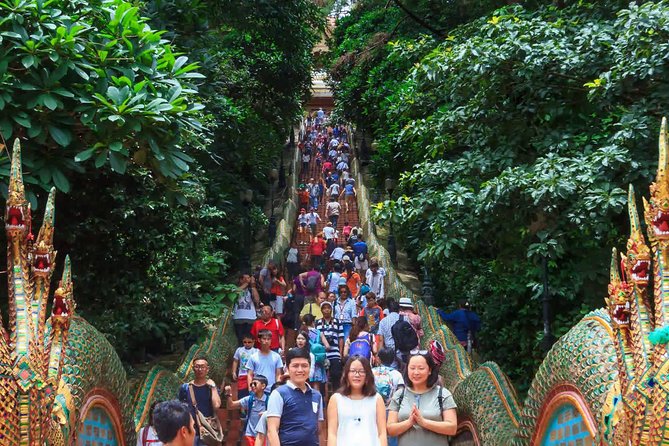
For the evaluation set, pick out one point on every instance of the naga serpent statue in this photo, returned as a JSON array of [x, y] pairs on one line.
[[30, 364], [54, 371]]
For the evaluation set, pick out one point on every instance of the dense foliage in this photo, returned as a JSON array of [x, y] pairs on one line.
[[91, 81], [516, 134], [152, 117]]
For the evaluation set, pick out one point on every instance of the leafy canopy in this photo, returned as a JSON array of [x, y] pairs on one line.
[[90, 83], [514, 138]]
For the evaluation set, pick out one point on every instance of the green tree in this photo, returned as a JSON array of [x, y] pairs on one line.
[[90, 83], [516, 135]]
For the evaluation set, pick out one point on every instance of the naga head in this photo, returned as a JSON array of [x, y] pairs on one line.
[[43, 255], [637, 260], [620, 294], [657, 208], [17, 213], [63, 303]]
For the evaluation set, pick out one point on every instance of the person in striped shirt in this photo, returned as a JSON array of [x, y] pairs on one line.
[[334, 333]]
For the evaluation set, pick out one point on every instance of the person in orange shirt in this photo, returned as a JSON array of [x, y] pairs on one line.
[[278, 290], [304, 198], [353, 280], [372, 312]]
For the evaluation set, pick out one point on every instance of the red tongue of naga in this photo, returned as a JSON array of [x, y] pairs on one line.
[[664, 226], [13, 221]]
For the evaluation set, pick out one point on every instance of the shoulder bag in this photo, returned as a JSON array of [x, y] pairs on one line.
[[209, 428]]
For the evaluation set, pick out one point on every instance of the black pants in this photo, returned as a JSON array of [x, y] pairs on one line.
[[242, 328], [334, 219], [293, 269], [335, 373]]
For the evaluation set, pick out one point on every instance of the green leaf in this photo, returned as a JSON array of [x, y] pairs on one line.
[[101, 159], [6, 128], [62, 136], [60, 181], [86, 154], [28, 61], [118, 162], [49, 101], [23, 120], [114, 94]]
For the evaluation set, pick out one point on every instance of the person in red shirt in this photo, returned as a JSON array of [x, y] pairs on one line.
[[316, 250], [346, 231], [267, 322], [304, 198]]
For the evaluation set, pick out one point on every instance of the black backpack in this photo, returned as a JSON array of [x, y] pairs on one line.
[[404, 335]]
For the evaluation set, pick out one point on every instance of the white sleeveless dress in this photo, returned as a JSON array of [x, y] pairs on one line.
[[357, 421]]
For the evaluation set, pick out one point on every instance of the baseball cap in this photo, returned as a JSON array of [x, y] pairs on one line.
[[346, 259]]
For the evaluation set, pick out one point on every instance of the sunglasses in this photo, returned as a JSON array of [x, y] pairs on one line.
[[416, 351]]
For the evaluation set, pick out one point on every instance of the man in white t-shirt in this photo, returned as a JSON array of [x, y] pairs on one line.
[[244, 312], [312, 220], [337, 254], [374, 277]]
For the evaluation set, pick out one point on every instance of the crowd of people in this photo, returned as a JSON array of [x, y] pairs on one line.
[[320, 339], [376, 406]]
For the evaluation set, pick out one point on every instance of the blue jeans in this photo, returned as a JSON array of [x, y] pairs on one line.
[[346, 327]]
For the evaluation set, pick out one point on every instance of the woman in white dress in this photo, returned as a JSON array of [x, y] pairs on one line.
[[356, 413]]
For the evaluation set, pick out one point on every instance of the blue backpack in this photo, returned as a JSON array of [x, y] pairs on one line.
[[362, 346], [384, 382], [318, 349]]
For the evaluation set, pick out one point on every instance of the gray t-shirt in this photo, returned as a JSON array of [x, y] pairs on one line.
[[259, 407], [266, 365], [428, 404]]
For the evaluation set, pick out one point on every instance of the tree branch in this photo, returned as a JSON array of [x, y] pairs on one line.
[[421, 22]]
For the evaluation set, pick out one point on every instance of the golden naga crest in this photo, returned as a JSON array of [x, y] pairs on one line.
[[620, 293], [640, 316], [31, 363], [656, 209], [636, 264]]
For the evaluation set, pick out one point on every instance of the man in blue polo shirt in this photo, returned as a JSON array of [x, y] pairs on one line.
[[295, 411]]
